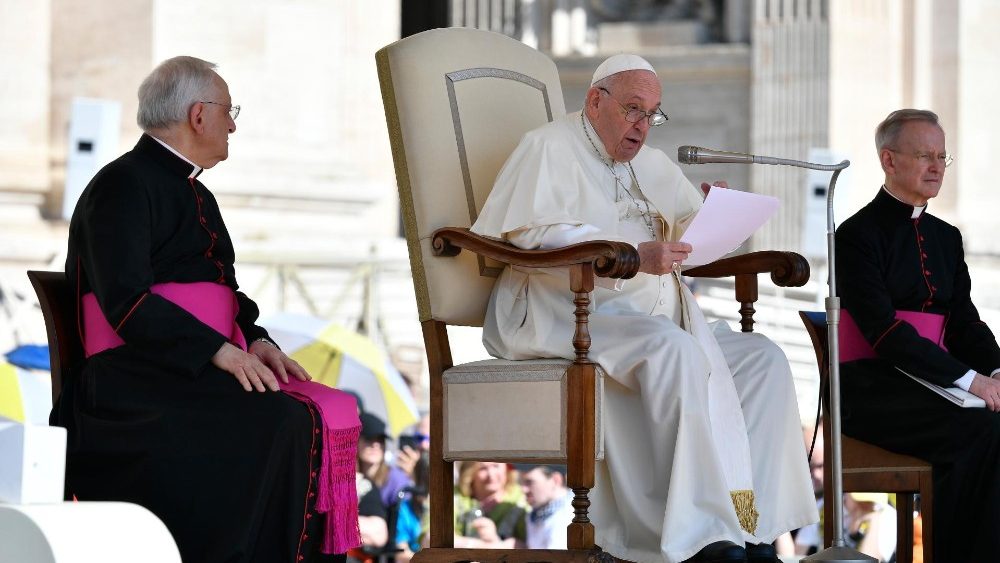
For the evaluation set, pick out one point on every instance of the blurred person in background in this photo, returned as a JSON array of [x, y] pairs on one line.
[[489, 507], [870, 523], [551, 506], [372, 460], [412, 522]]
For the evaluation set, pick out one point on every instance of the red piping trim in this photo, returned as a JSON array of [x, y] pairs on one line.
[[79, 316], [923, 267], [884, 334], [211, 244], [132, 310], [305, 513]]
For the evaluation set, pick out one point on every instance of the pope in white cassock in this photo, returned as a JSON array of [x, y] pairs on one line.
[[704, 458]]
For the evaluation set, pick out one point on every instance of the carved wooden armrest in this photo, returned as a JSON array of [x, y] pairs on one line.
[[787, 269], [610, 259]]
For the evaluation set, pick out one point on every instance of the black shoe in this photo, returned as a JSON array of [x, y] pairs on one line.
[[720, 552], [762, 553]]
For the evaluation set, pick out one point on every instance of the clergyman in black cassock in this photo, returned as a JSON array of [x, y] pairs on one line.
[[894, 256], [231, 472]]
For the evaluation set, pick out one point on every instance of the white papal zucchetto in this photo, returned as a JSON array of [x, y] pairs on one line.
[[620, 63]]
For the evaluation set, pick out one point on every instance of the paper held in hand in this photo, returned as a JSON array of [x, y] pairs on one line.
[[726, 219], [956, 395]]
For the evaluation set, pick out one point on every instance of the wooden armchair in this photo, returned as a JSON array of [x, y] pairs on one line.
[[457, 102], [868, 468], [56, 297]]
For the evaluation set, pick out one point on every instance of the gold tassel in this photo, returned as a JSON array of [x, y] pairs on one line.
[[746, 511]]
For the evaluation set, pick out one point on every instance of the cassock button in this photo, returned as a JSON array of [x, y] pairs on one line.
[[208, 254], [927, 272], [203, 220], [309, 515], [923, 255], [215, 236]]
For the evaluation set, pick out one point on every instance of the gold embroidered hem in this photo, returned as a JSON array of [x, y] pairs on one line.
[[746, 510]]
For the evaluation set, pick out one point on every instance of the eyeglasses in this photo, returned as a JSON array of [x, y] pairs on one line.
[[925, 158], [654, 118], [234, 111]]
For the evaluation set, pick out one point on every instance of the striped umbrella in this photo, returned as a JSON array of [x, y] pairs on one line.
[[344, 359]]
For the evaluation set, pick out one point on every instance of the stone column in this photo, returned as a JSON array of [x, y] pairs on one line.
[[789, 106], [24, 108]]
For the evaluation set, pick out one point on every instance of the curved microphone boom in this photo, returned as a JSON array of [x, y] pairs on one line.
[[838, 552], [689, 154]]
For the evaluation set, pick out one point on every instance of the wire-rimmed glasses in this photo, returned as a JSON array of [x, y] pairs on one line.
[[234, 111], [654, 118]]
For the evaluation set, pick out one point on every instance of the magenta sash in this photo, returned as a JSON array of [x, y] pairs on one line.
[[853, 345], [211, 303], [216, 306]]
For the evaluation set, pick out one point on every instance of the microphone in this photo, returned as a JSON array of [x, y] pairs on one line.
[[689, 154]]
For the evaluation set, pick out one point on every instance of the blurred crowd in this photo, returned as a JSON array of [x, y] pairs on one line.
[[497, 505], [869, 518]]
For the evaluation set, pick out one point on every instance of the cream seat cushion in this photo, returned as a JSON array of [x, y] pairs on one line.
[[511, 411]]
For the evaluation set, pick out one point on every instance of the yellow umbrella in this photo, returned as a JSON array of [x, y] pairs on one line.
[[342, 358]]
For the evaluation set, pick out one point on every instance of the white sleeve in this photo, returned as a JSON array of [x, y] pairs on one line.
[[965, 381], [558, 236]]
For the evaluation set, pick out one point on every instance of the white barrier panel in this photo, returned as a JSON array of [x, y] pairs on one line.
[[33, 466], [84, 532]]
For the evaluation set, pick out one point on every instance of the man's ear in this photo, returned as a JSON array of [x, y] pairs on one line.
[[558, 478], [592, 101], [196, 117], [888, 161]]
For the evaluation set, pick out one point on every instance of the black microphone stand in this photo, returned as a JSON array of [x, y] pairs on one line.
[[838, 552]]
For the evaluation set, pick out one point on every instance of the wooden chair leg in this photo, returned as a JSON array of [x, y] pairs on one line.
[[827, 522], [926, 516], [904, 528]]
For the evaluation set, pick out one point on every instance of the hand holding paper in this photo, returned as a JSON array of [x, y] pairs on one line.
[[726, 219]]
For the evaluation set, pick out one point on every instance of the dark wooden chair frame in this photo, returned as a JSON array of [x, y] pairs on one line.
[[869, 468], [585, 260], [59, 309]]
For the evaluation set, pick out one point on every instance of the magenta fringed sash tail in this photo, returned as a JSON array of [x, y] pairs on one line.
[[216, 306]]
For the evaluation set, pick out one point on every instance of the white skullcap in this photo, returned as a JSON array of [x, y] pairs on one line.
[[620, 63]]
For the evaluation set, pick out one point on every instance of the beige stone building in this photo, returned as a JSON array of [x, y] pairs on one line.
[[309, 191]]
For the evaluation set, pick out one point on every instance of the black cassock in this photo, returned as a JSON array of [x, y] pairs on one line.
[[888, 261], [153, 422]]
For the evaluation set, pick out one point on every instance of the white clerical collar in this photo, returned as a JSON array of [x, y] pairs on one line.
[[593, 138], [917, 209], [197, 169]]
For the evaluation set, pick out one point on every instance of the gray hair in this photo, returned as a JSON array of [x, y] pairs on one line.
[[887, 132], [166, 95], [608, 82]]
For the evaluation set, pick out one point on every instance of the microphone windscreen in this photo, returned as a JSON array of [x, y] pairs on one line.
[[687, 154]]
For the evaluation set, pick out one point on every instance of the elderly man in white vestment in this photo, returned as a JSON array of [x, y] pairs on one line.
[[703, 451]]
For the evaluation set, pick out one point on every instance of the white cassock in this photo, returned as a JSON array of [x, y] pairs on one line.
[[702, 442]]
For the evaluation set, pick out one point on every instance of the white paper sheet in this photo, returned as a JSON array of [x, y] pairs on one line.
[[726, 219]]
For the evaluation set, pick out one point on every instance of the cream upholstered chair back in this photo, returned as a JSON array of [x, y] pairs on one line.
[[457, 102]]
